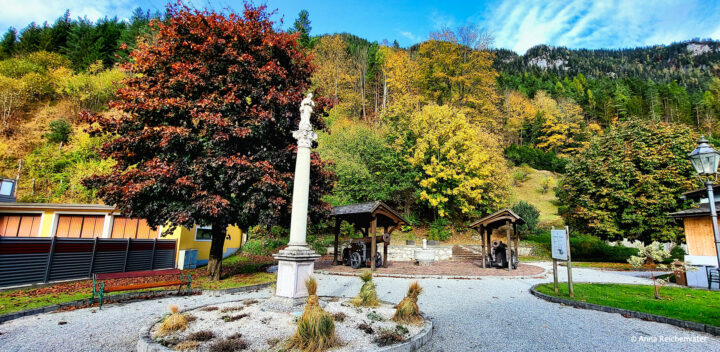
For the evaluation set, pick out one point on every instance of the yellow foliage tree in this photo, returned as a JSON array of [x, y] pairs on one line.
[[462, 76], [334, 74], [517, 109], [462, 164], [563, 130]]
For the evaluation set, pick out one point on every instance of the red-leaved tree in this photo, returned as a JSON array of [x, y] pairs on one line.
[[204, 135]]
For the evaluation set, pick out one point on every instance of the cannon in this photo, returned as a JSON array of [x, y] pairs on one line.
[[358, 254], [498, 256]]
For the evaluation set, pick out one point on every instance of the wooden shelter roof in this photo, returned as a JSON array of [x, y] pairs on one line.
[[498, 219], [702, 210], [363, 212]]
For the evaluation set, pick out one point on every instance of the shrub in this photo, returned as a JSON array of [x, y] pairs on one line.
[[589, 248], [263, 246], [315, 328], [536, 158], [317, 243], [407, 310], [367, 296], [174, 322], [60, 131], [530, 214], [438, 230]]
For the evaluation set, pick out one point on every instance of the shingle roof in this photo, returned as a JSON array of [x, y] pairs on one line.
[[57, 206], [702, 210], [365, 209], [498, 214]]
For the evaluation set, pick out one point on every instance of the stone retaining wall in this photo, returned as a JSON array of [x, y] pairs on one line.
[[407, 253]]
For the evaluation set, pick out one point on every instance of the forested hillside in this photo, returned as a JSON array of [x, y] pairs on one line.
[[439, 130]]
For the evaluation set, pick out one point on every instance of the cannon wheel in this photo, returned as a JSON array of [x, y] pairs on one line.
[[378, 260], [355, 260]]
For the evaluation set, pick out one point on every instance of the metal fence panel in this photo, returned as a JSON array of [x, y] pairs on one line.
[[26, 260]]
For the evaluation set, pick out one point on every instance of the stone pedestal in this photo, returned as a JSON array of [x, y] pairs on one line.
[[295, 265]]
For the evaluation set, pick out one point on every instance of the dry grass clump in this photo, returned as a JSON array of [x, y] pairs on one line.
[[229, 318], [229, 345], [174, 322], [339, 317], [367, 296], [231, 309], [188, 345], [209, 309], [315, 328], [204, 335], [388, 337], [407, 310]]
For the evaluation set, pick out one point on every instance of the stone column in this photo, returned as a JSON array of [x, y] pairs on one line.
[[297, 262]]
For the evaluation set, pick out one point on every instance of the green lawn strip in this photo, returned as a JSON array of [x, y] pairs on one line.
[[680, 303], [239, 271]]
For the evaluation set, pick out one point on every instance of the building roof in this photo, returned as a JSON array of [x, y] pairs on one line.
[[365, 210], [702, 210], [498, 219], [56, 206], [698, 194]]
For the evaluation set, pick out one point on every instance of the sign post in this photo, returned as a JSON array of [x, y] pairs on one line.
[[560, 241]]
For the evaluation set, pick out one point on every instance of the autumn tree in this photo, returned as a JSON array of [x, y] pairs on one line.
[[625, 182], [333, 73], [517, 110], [453, 73], [205, 134], [461, 164]]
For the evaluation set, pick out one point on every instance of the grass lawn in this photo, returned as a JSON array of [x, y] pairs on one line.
[[238, 270], [676, 302]]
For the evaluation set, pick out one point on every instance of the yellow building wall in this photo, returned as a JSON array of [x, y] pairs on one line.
[[186, 240], [184, 236]]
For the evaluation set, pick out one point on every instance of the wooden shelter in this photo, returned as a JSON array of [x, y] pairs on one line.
[[486, 225], [366, 218]]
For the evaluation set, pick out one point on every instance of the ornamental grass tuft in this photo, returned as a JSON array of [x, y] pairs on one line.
[[174, 322], [407, 310], [315, 328], [367, 296]]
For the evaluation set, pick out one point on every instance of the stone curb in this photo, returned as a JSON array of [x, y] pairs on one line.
[[713, 330], [146, 344], [450, 277], [124, 297]]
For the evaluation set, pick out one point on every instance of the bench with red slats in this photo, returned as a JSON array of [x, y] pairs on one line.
[[100, 280]]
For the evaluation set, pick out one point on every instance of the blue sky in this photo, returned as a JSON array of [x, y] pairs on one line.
[[516, 24]]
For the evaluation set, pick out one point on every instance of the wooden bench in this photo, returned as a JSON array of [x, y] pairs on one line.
[[713, 275], [100, 280]]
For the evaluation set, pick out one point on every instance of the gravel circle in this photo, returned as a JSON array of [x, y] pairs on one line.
[[492, 314]]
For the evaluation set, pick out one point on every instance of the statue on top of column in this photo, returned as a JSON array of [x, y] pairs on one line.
[[306, 108]]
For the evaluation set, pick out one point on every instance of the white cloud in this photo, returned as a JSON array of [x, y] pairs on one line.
[[19, 13], [583, 24], [409, 35]]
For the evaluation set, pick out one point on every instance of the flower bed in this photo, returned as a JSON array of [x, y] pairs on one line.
[[251, 325]]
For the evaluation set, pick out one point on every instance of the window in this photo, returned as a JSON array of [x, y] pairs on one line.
[[80, 226], [19, 225], [6, 187], [203, 233], [124, 227]]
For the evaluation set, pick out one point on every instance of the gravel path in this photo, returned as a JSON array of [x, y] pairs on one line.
[[494, 314]]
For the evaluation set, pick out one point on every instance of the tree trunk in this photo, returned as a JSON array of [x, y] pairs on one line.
[[216, 251]]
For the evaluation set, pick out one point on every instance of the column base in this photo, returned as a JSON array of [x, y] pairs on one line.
[[295, 265]]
